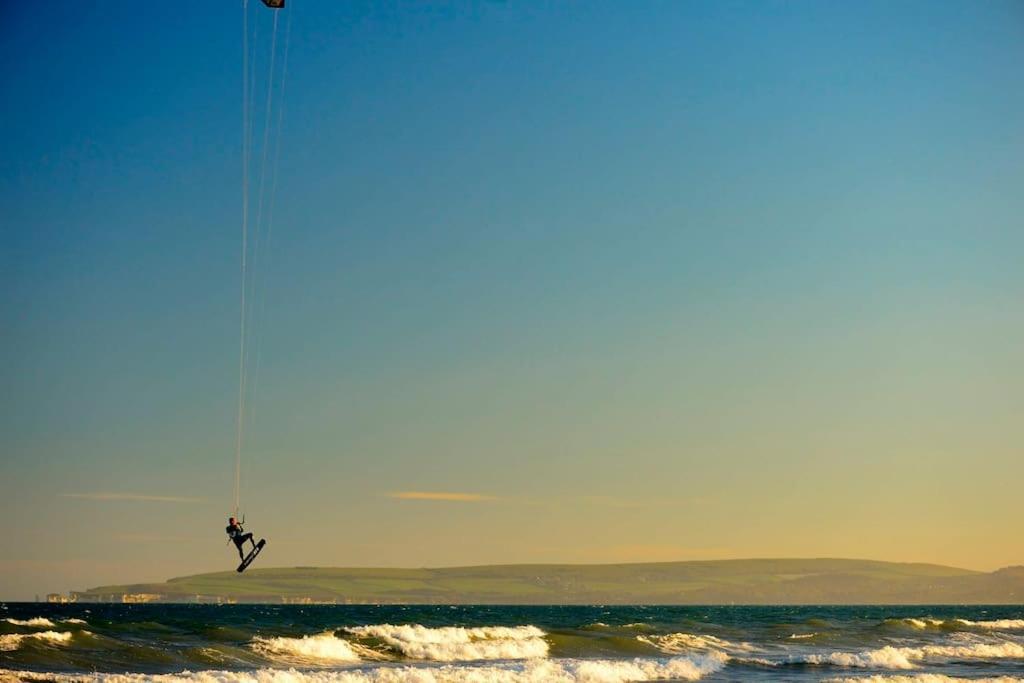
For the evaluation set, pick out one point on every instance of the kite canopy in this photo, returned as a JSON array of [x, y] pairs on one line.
[[274, 4]]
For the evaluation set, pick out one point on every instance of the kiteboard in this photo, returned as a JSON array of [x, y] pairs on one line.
[[252, 555]]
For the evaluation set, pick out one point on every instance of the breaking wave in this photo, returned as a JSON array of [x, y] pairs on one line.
[[458, 644], [679, 643], [1000, 650], [919, 623], [995, 624], [323, 648], [14, 640], [887, 657], [690, 668], [41, 622], [926, 623], [890, 657], [35, 622]]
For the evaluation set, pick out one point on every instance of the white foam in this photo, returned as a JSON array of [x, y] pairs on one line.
[[887, 657], [801, 636], [999, 650], [457, 644], [531, 671], [14, 640], [611, 671], [324, 647], [890, 657], [759, 661], [995, 624], [74, 621], [679, 643], [923, 622], [36, 622]]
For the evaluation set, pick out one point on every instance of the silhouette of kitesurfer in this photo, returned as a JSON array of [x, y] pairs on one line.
[[237, 534]]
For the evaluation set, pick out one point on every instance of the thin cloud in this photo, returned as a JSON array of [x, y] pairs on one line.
[[440, 495], [135, 497]]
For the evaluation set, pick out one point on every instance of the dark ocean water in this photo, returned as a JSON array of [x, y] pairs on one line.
[[429, 644]]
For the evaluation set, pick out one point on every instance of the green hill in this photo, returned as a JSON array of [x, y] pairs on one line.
[[768, 581]]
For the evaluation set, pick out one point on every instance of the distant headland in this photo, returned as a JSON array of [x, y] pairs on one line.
[[756, 581]]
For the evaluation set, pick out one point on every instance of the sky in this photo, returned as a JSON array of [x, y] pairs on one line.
[[544, 282]]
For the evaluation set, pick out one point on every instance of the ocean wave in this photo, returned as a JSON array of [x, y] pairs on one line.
[[887, 657], [458, 644], [218, 656], [995, 624], [678, 643], [919, 623], [890, 657], [925, 623], [1001, 650], [34, 622], [602, 627], [689, 668], [14, 640], [41, 622], [323, 647], [755, 661]]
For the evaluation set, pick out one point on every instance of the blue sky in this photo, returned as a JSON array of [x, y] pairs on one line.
[[652, 280]]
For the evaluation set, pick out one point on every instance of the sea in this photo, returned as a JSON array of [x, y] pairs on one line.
[[479, 644]]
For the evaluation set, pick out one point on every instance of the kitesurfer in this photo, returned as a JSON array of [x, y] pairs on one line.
[[237, 534]]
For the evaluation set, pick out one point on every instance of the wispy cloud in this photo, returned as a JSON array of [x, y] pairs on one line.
[[440, 495], [136, 497]]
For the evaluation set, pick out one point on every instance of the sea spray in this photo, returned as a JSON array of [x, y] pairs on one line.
[[455, 643], [34, 622], [320, 648], [13, 641]]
